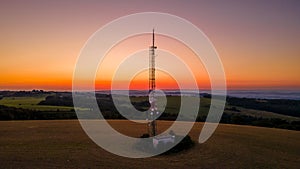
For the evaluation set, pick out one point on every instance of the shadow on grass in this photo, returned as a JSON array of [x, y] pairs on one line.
[[148, 147]]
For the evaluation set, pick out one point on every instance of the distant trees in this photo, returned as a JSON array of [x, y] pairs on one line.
[[23, 93], [259, 121], [280, 106], [58, 100], [12, 113], [37, 91]]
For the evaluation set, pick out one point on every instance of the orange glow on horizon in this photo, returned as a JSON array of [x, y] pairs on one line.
[[40, 43]]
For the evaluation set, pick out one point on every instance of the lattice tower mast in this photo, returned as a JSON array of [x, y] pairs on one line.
[[152, 98]]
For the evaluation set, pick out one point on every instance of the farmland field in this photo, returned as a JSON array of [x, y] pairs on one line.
[[31, 103], [59, 105], [63, 144]]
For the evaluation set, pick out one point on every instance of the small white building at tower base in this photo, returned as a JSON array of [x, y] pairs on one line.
[[164, 139]]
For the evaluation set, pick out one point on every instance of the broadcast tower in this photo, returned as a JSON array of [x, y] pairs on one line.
[[152, 129]]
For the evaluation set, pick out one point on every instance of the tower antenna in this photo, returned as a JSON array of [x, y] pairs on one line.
[[153, 107], [153, 37]]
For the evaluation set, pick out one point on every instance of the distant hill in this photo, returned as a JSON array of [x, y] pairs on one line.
[[40, 105]]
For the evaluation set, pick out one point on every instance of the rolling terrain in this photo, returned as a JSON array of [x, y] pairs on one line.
[[63, 144], [39, 105]]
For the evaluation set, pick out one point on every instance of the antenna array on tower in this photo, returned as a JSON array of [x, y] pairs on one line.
[[153, 108]]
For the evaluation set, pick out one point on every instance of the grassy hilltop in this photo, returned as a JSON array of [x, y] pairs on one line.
[[63, 144]]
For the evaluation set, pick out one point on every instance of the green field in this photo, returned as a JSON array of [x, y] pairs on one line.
[[260, 113], [174, 105], [59, 106], [31, 103]]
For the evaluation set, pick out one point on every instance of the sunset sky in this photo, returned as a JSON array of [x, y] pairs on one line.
[[258, 41]]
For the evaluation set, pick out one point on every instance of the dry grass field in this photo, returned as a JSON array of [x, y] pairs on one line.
[[63, 144]]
